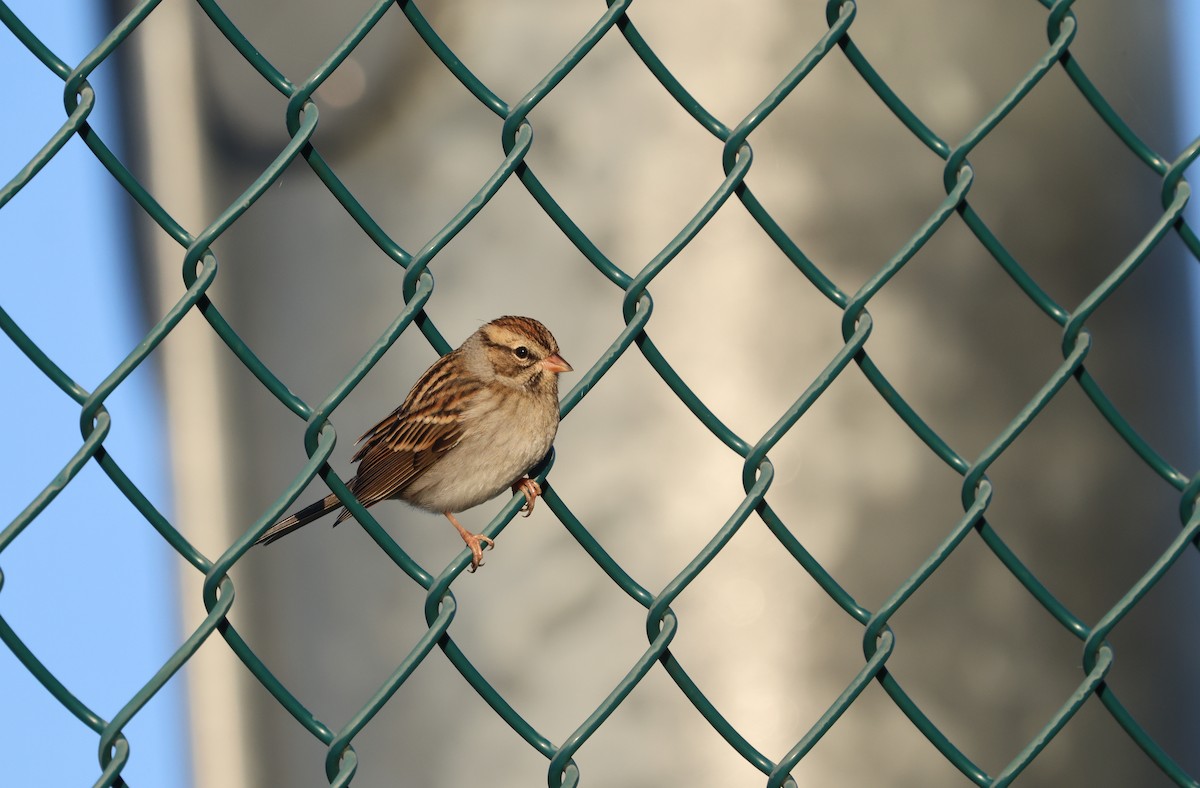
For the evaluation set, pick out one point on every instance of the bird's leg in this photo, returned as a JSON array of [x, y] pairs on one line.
[[531, 490], [473, 541]]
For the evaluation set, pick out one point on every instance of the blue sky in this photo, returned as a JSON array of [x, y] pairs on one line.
[[1187, 63], [89, 586]]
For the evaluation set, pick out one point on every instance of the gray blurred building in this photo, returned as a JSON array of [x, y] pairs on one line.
[[303, 285]]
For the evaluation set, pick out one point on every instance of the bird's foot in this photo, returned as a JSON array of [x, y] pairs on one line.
[[477, 543], [531, 490]]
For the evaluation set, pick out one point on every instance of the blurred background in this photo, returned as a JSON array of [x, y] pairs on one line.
[[101, 599]]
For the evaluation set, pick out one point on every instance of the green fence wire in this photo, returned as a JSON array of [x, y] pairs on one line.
[[200, 268]]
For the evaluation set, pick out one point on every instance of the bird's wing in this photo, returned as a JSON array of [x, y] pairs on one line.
[[403, 446]]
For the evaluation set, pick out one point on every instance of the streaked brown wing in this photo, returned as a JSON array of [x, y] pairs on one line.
[[387, 467], [402, 446]]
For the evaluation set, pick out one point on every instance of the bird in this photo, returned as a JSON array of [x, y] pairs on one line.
[[475, 423]]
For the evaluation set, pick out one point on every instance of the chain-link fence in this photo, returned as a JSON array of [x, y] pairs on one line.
[[849, 306]]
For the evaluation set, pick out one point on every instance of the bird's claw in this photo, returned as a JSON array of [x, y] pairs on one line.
[[531, 490], [477, 544], [473, 541]]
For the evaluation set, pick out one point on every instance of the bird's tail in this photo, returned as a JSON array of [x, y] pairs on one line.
[[302, 517]]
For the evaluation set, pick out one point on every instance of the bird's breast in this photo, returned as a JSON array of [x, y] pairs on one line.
[[503, 438]]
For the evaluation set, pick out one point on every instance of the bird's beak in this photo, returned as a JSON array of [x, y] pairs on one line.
[[556, 363]]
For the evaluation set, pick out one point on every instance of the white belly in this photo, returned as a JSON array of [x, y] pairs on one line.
[[478, 469]]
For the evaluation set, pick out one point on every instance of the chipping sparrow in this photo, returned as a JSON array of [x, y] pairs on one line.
[[475, 423]]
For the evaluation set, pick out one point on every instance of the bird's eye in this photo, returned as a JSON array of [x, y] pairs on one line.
[[521, 351]]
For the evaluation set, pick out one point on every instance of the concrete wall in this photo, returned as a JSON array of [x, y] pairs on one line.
[[305, 287]]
